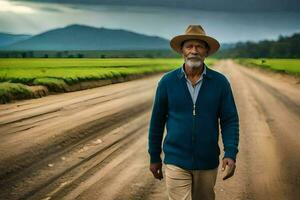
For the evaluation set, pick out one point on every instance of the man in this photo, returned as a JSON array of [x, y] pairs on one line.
[[192, 101]]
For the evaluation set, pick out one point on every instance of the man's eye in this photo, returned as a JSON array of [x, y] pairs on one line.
[[197, 47]]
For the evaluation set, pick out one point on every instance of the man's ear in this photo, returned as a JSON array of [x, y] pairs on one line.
[[181, 53], [206, 53]]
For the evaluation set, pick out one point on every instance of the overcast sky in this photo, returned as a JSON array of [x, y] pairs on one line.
[[228, 21], [215, 5]]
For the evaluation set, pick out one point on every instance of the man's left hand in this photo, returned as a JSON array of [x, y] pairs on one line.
[[230, 163]]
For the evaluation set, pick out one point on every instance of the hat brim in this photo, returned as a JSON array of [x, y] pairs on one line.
[[213, 44]]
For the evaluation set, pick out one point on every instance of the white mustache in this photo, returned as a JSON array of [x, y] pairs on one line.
[[194, 57]]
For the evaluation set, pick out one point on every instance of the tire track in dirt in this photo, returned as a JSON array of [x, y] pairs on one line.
[[268, 165], [126, 176], [26, 173], [38, 174], [291, 105], [58, 129], [91, 158]]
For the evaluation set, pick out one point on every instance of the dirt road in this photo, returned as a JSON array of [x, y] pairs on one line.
[[92, 144]]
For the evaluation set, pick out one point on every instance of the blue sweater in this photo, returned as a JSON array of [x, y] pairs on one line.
[[192, 135]]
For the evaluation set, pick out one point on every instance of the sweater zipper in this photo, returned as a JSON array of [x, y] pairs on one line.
[[194, 110], [193, 132]]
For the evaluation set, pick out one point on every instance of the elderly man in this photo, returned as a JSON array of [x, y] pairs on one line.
[[191, 101]]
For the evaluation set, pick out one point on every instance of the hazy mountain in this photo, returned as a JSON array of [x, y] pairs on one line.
[[7, 38], [81, 37]]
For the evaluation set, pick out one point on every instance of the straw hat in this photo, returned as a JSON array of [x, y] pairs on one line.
[[195, 32]]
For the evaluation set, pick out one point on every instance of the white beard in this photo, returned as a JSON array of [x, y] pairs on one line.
[[193, 63]]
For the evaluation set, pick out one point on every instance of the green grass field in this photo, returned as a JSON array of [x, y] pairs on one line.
[[290, 66], [55, 73]]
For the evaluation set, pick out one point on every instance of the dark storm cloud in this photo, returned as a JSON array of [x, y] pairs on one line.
[[213, 5]]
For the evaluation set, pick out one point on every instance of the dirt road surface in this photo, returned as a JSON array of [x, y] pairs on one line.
[[92, 144]]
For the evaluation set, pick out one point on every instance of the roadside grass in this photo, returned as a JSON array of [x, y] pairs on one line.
[[9, 91]]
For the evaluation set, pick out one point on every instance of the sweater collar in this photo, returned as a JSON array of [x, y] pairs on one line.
[[206, 72]]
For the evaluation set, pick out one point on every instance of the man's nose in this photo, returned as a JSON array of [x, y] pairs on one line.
[[194, 50]]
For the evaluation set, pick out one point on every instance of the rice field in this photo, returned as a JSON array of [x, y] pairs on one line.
[[17, 73], [290, 66], [71, 71], [35, 71]]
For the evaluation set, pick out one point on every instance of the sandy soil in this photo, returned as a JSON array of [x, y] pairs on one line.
[[92, 144], [268, 162]]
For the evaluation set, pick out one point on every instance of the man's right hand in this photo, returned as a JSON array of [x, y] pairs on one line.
[[156, 169]]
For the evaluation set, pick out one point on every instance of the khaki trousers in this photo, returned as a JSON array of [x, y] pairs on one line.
[[190, 184]]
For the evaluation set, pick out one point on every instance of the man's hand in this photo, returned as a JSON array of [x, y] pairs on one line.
[[156, 169], [230, 163]]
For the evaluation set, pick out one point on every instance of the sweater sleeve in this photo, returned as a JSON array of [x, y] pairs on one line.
[[229, 121], [157, 123]]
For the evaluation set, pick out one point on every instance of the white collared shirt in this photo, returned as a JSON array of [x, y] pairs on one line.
[[194, 90]]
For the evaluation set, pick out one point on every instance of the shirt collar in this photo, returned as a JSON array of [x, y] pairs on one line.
[[184, 74]]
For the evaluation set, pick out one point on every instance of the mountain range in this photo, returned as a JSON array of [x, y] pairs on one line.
[[82, 37], [8, 39]]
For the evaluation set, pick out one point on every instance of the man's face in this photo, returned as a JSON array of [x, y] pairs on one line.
[[194, 52]]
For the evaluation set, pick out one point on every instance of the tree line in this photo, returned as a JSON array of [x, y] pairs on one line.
[[283, 47], [90, 54]]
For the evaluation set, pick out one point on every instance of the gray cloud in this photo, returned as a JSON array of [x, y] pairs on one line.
[[166, 22], [211, 5]]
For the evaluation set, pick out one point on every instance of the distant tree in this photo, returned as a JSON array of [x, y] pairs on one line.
[[284, 47], [149, 55], [31, 54], [58, 54]]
